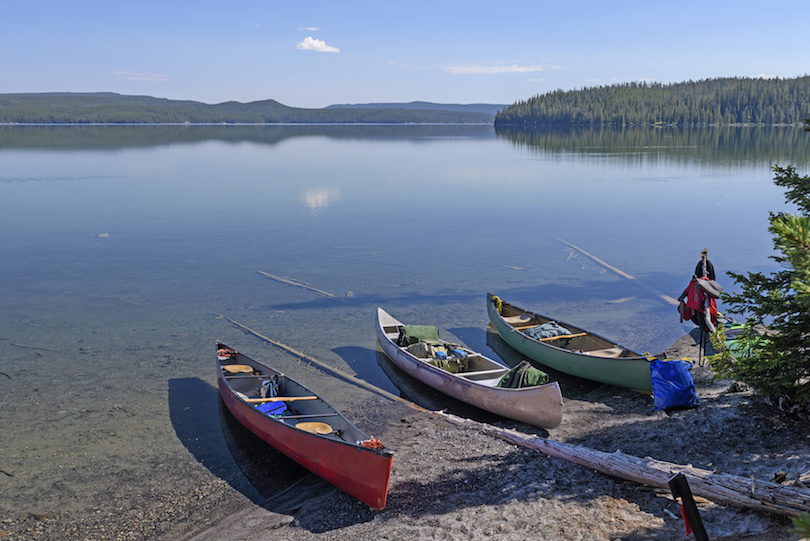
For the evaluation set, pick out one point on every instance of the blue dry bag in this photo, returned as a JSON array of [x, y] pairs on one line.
[[272, 408], [672, 384]]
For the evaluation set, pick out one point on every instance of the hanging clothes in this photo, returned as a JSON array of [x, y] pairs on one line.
[[699, 306]]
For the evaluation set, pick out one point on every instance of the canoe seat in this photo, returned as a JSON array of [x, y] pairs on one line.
[[518, 320], [610, 353]]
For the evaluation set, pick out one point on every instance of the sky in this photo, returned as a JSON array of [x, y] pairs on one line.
[[312, 53]]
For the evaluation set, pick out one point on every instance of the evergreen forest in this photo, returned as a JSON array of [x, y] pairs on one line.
[[723, 101]]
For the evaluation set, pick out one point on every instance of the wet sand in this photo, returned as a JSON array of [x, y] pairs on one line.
[[448, 481]]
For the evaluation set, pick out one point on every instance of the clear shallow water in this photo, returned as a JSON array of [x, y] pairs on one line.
[[120, 247]]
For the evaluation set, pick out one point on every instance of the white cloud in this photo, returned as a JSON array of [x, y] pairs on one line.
[[141, 76], [484, 69], [765, 76], [310, 28], [311, 44]]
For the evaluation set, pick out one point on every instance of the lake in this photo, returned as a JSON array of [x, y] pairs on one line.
[[126, 250]]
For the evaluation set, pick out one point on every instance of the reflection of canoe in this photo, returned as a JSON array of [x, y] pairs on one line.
[[578, 352], [540, 405], [310, 431]]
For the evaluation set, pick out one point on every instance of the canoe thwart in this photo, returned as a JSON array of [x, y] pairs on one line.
[[482, 372]]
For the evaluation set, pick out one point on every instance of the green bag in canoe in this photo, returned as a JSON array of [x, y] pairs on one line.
[[523, 375]]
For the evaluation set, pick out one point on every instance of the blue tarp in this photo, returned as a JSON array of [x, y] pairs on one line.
[[272, 408]]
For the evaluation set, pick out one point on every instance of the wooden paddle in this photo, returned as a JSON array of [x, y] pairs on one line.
[[550, 338], [280, 399], [275, 398]]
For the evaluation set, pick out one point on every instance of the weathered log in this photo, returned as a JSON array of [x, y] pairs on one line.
[[721, 488]]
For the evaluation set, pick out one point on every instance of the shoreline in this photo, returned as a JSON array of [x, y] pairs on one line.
[[455, 482]]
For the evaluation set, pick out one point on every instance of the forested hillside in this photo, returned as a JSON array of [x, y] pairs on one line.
[[724, 101], [110, 108]]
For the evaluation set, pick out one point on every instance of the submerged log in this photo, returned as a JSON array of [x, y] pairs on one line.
[[666, 298], [298, 283], [721, 488]]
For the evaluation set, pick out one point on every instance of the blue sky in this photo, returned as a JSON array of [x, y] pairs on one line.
[[317, 53]]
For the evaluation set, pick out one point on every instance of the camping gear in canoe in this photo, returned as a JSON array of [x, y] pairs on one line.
[[303, 426], [564, 347], [466, 375]]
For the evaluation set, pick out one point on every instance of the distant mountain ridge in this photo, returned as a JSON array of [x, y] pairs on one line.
[[488, 108], [112, 108]]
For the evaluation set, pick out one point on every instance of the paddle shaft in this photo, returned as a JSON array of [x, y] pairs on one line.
[[279, 399], [550, 338]]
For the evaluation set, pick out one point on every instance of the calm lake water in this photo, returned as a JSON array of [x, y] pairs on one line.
[[121, 248]]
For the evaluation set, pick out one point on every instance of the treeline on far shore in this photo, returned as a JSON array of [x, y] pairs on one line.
[[722, 101], [111, 108]]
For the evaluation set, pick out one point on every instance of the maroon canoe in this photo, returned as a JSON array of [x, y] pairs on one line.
[[303, 426]]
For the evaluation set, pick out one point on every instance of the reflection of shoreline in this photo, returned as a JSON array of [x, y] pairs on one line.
[[719, 145], [117, 137]]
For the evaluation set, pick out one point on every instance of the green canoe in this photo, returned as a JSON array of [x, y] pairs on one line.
[[578, 352]]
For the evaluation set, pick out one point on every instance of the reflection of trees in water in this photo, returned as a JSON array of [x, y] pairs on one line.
[[116, 137], [723, 145], [717, 145]]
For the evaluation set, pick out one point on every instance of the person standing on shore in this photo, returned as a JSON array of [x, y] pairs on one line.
[[704, 266]]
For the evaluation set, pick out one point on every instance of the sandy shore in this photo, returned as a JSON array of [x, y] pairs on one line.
[[454, 482]]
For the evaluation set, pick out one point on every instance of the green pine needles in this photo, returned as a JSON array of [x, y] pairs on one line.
[[776, 363]]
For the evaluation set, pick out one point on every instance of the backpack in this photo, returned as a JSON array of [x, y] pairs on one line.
[[523, 375], [441, 354]]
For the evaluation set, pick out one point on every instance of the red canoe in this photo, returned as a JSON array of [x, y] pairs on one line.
[[303, 426]]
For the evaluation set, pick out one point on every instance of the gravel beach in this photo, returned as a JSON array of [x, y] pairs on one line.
[[455, 482]]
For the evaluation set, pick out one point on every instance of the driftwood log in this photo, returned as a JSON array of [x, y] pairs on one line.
[[721, 488]]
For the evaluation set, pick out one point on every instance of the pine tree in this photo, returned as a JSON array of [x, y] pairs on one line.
[[779, 365]]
